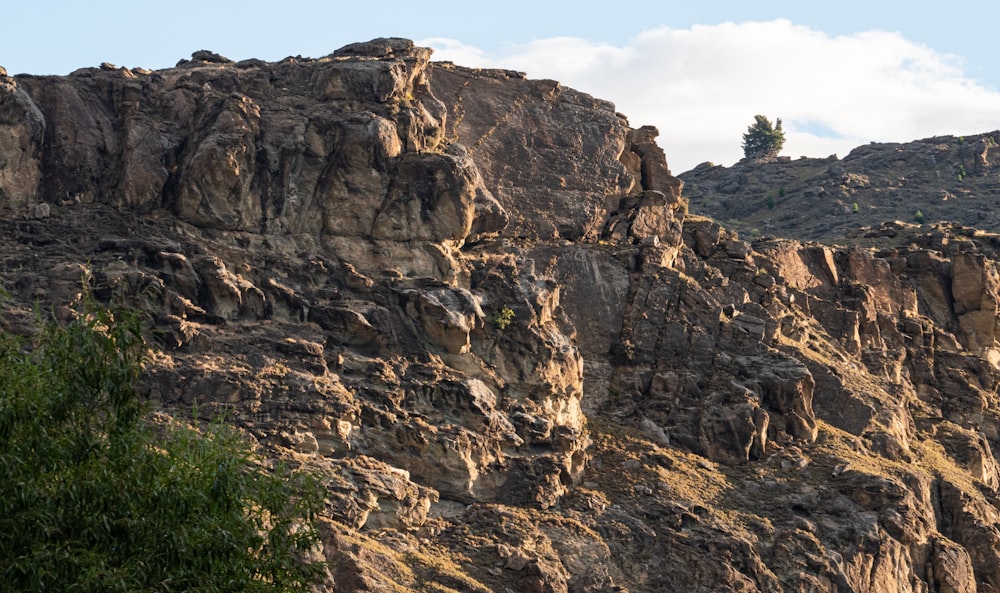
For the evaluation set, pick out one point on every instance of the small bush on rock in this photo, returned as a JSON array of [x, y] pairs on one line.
[[503, 317]]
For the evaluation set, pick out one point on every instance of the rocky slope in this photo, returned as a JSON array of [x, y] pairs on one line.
[[477, 305], [946, 178]]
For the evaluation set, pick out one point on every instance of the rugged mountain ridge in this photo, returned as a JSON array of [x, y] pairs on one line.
[[477, 305], [945, 178]]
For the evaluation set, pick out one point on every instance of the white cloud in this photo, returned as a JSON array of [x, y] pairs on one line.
[[452, 50], [702, 86]]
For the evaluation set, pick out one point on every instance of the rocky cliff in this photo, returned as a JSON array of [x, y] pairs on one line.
[[476, 304]]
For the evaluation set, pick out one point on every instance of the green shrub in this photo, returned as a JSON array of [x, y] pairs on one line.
[[503, 317], [919, 217], [855, 208], [96, 496]]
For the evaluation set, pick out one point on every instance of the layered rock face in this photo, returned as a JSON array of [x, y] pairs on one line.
[[477, 306]]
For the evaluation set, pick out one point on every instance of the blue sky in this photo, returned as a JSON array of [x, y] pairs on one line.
[[839, 74]]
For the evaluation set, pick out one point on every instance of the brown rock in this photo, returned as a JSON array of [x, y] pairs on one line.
[[543, 577], [706, 238], [654, 217], [203, 55], [950, 568], [737, 249], [787, 389], [447, 317], [968, 280], [434, 200], [228, 296], [973, 452], [568, 177], [215, 185]]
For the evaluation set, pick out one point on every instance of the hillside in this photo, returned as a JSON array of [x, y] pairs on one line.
[[946, 178], [477, 304]]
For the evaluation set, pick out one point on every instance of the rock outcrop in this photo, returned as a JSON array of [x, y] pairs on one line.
[[476, 305]]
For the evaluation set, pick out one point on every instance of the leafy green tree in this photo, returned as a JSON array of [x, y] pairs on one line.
[[762, 139], [98, 495]]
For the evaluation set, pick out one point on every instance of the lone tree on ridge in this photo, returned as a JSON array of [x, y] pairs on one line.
[[762, 140]]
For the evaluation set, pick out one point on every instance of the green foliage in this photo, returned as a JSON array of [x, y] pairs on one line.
[[97, 496], [961, 172], [762, 139], [503, 317], [781, 192], [919, 217], [771, 203], [855, 208]]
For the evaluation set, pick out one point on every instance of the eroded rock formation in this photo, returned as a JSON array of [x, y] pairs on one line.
[[477, 306]]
